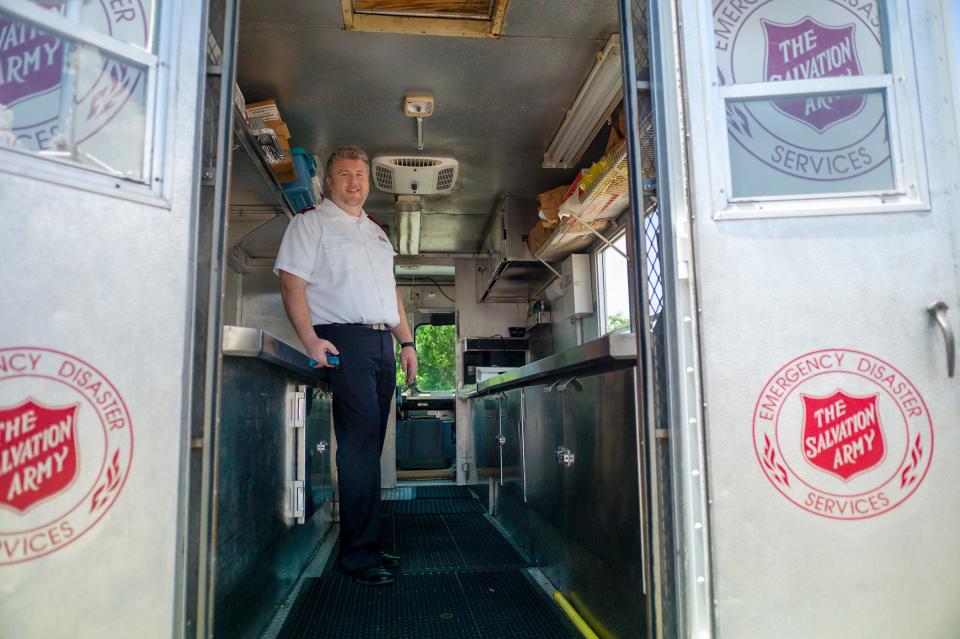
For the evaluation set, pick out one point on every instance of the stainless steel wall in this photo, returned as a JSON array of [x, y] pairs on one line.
[[262, 307]]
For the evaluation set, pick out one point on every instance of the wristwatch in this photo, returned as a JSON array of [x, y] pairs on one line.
[[406, 344]]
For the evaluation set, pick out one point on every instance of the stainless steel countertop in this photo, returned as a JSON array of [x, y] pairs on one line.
[[616, 347], [244, 341], [464, 392]]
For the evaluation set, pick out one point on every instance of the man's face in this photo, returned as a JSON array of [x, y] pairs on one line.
[[349, 183]]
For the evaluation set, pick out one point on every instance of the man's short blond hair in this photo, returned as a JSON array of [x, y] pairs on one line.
[[351, 152]]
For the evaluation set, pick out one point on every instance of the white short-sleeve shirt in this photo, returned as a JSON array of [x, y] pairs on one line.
[[347, 262]]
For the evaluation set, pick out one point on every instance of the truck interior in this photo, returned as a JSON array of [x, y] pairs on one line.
[[683, 277], [502, 173]]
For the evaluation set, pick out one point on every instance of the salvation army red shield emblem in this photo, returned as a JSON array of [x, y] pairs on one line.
[[806, 50], [842, 434], [38, 453], [34, 60], [66, 449]]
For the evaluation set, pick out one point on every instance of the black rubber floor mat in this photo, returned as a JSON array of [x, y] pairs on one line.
[[423, 542], [480, 544], [431, 507], [443, 492], [444, 542], [454, 605]]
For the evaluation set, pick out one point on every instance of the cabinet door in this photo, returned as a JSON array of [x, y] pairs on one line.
[[486, 428], [601, 486], [602, 497], [319, 488], [543, 433], [511, 431]]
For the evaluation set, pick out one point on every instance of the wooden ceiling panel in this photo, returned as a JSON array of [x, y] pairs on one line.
[[462, 18], [481, 9]]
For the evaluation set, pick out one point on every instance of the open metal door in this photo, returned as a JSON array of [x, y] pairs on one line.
[[821, 155], [98, 188]]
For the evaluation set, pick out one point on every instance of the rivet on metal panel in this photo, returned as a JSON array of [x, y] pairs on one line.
[[698, 525], [701, 580], [695, 472], [686, 319], [690, 369], [692, 420]]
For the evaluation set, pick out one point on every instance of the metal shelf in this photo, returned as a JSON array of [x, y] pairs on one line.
[[606, 199], [259, 160]]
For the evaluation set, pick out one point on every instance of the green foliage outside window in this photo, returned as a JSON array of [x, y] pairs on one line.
[[437, 357], [617, 323]]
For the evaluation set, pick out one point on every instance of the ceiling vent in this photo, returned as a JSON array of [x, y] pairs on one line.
[[415, 175]]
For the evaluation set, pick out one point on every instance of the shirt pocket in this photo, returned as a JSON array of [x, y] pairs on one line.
[[334, 242], [381, 248]]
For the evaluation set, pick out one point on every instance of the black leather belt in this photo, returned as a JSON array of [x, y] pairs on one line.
[[380, 326]]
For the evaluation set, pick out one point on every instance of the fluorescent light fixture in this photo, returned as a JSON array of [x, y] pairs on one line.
[[599, 95], [409, 233]]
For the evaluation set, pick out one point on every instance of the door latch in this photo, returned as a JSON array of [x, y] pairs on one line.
[[501, 440], [322, 447], [564, 456], [938, 310], [298, 409], [297, 498]]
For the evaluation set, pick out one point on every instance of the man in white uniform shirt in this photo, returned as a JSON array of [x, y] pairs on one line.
[[336, 279]]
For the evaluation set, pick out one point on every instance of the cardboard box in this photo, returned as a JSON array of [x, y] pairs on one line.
[[538, 235], [618, 129], [549, 202], [267, 110], [284, 170], [280, 128]]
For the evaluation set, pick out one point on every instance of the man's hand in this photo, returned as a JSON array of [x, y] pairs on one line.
[[408, 363], [318, 351]]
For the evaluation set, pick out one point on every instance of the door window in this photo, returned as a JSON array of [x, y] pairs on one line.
[[813, 106], [76, 83]]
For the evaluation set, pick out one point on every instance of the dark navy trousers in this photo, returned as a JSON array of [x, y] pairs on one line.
[[363, 388]]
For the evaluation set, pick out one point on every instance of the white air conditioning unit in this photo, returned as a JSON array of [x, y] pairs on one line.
[[415, 175]]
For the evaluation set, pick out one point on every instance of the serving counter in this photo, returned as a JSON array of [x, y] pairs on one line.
[[273, 478]]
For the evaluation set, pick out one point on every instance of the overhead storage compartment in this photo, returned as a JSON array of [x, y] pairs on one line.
[[511, 273]]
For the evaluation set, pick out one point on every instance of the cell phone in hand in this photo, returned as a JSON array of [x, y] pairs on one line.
[[333, 360]]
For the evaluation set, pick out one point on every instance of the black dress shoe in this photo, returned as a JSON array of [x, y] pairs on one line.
[[373, 576], [389, 561]]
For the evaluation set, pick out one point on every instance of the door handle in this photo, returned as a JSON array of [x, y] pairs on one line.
[[938, 310]]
